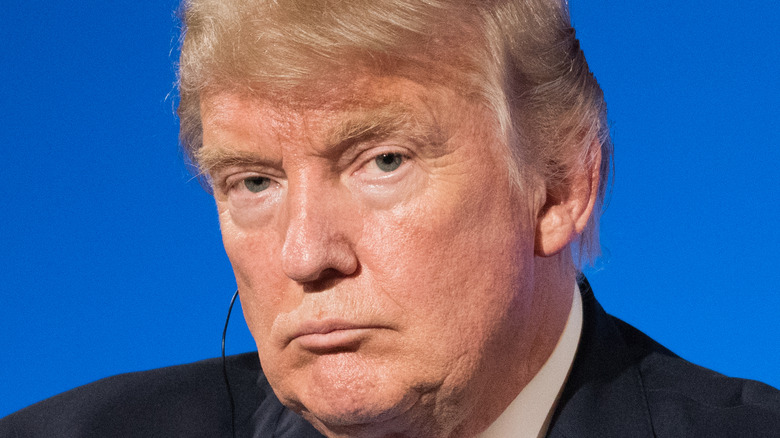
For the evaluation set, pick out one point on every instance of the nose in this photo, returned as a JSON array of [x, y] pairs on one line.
[[317, 240]]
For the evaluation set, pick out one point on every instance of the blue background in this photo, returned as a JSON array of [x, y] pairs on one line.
[[110, 254]]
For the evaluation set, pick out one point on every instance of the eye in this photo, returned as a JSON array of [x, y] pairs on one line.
[[257, 184], [389, 162]]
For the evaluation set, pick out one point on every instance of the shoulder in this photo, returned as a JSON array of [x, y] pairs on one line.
[[684, 398], [184, 400], [622, 383]]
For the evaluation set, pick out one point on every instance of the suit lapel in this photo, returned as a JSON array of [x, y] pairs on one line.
[[604, 395]]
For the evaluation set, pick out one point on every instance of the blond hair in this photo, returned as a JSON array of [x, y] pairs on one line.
[[520, 58]]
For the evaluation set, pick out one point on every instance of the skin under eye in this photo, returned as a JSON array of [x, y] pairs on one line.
[[389, 162], [256, 184]]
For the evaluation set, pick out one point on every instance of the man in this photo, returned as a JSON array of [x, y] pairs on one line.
[[406, 191]]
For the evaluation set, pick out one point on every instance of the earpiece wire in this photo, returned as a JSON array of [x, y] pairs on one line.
[[224, 368]]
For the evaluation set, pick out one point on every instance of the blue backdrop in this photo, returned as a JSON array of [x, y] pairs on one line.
[[110, 254]]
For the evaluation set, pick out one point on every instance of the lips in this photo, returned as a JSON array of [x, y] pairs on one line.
[[330, 335]]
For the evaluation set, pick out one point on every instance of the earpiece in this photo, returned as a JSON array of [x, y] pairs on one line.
[[224, 368]]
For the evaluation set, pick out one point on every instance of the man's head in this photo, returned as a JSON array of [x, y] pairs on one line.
[[519, 58], [398, 186]]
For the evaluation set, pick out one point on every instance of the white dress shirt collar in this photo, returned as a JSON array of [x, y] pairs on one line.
[[529, 414]]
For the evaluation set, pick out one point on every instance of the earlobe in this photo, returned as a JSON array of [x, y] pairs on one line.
[[566, 212]]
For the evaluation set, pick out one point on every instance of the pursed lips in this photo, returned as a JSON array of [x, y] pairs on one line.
[[332, 334]]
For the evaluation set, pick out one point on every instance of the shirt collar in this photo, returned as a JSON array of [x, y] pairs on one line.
[[529, 414]]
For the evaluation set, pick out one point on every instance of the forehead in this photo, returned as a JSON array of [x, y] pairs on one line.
[[356, 90], [371, 104]]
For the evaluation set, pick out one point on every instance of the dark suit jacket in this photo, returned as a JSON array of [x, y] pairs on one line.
[[623, 384]]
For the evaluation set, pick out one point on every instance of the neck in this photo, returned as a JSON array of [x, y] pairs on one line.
[[536, 335]]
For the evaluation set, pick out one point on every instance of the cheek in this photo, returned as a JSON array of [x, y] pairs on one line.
[[253, 254], [452, 258]]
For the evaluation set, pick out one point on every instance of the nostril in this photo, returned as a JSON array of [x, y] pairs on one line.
[[327, 280]]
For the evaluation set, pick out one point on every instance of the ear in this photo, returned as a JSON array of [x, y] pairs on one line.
[[566, 210]]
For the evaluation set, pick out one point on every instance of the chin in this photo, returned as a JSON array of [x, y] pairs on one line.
[[344, 395], [375, 418], [347, 414]]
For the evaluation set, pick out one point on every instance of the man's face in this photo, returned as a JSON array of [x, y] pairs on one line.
[[383, 258]]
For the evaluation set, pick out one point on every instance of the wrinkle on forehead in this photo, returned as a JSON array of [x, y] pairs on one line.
[[372, 108], [353, 92]]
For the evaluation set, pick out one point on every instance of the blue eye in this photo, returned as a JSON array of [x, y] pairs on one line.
[[257, 184], [389, 162]]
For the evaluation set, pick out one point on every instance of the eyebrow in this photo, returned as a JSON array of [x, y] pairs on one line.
[[361, 126], [213, 159], [383, 122]]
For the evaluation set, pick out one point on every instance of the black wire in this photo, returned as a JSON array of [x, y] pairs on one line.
[[224, 368]]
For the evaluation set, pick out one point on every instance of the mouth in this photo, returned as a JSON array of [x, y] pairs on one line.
[[330, 336]]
